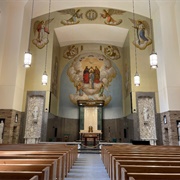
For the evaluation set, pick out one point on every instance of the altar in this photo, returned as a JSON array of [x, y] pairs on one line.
[[90, 137], [90, 121]]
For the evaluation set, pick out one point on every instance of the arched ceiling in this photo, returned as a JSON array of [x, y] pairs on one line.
[[97, 33], [91, 33]]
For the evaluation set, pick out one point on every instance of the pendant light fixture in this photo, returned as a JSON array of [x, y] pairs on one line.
[[27, 54], [45, 76], [136, 76], [153, 55]]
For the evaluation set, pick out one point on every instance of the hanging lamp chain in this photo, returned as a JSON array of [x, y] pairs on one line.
[[32, 11], [135, 37], [151, 26], [49, 14]]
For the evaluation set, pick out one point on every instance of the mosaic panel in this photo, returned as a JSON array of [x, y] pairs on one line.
[[34, 119], [147, 119]]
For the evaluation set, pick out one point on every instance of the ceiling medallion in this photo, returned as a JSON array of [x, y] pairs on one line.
[[91, 15]]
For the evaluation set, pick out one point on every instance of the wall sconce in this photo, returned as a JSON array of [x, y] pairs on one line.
[[165, 119], [16, 118]]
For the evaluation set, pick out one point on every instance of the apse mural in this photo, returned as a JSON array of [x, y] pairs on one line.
[[91, 75]]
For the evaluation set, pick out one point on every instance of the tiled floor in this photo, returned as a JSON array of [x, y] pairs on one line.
[[88, 167]]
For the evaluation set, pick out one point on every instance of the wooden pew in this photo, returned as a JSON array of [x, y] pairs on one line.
[[52, 163], [39, 150], [114, 170], [126, 169], [113, 155], [34, 178], [18, 175], [60, 167], [69, 151], [154, 176], [120, 163], [17, 172]]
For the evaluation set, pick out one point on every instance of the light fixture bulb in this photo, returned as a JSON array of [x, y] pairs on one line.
[[27, 59], [136, 79], [44, 78], [153, 60]]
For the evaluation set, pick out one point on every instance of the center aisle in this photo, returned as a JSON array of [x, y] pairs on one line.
[[88, 166]]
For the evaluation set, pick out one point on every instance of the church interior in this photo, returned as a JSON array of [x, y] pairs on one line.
[[103, 36], [80, 73]]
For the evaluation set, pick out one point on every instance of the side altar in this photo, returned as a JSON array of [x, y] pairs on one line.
[[90, 121]]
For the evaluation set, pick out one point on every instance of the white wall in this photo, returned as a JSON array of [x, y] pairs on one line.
[[11, 76], [167, 46]]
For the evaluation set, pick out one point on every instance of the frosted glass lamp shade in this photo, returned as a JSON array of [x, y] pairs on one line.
[[153, 60], [136, 79], [44, 78], [27, 59]]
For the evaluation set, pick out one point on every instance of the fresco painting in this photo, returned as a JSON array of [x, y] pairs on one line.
[[70, 52], [109, 20], [91, 75], [142, 33], [75, 16], [40, 31]]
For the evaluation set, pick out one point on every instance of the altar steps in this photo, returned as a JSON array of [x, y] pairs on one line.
[[89, 151]]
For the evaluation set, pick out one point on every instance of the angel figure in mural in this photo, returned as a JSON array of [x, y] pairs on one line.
[[40, 30], [142, 33], [79, 89], [112, 52], [70, 52], [75, 15], [101, 90], [107, 14]]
